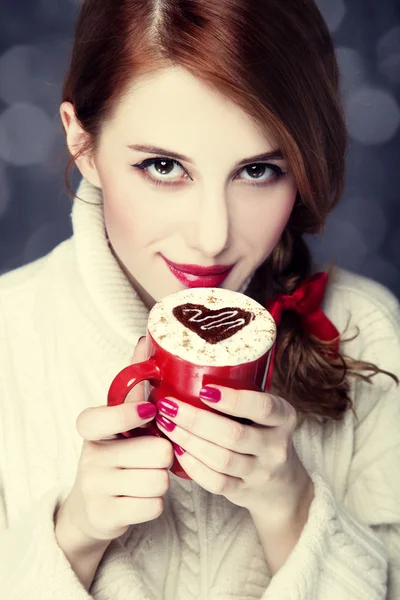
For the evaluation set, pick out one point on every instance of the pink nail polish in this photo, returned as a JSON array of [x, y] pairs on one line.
[[168, 407], [166, 423], [178, 449], [146, 410], [210, 394]]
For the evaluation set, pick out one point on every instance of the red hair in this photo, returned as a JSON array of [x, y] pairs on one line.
[[276, 61]]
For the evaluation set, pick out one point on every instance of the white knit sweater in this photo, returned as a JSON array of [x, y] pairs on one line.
[[68, 324]]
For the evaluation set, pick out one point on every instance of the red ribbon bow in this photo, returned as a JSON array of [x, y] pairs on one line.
[[306, 301]]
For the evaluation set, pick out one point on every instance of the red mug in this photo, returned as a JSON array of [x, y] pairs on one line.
[[169, 375]]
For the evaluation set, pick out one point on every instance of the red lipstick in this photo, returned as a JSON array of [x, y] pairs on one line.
[[198, 276]]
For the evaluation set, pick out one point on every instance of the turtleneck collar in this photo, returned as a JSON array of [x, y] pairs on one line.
[[106, 283]]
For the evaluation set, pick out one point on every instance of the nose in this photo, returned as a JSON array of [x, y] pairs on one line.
[[210, 229]]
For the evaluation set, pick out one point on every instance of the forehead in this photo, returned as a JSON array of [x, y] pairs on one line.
[[175, 109]]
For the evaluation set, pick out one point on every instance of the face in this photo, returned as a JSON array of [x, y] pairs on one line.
[[215, 205]]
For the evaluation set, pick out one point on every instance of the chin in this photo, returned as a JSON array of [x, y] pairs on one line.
[[234, 286]]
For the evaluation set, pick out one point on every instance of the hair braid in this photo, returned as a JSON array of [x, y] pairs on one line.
[[314, 381]]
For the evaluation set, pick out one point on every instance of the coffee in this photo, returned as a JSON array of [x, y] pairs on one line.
[[198, 337], [212, 326]]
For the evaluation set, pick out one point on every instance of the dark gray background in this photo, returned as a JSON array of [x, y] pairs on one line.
[[362, 235]]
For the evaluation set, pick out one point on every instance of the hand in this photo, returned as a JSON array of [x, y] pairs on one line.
[[254, 466], [119, 482]]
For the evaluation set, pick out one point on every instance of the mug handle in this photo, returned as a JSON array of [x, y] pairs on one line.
[[126, 379]]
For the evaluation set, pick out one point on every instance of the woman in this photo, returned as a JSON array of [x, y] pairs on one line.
[[206, 133]]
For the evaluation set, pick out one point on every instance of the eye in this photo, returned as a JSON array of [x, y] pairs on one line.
[[263, 173], [167, 171], [153, 168]]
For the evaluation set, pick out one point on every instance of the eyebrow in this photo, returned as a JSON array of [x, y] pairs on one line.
[[272, 155]]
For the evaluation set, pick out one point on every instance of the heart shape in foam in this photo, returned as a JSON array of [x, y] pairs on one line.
[[213, 326]]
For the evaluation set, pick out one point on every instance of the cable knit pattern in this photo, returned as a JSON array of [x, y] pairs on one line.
[[188, 532], [68, 324], [330, 528]]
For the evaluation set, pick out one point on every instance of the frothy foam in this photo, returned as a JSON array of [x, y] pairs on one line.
[[212, 326]]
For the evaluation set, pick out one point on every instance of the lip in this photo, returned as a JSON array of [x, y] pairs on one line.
[[199, 276]]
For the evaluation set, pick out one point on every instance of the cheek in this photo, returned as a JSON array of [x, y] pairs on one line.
[[135, 227], [128, 219], [263, 225], [119, 223], [282, 212]]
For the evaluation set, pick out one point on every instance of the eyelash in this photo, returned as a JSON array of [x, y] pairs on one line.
[[150, 162]]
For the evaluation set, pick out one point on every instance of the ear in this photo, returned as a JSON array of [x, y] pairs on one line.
[[76, 138]]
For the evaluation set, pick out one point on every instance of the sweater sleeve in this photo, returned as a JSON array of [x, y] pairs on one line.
[[335, 557], [351, 549], [32, 565]]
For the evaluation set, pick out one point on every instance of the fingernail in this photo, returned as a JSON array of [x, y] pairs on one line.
[[141, 337], [211, 394], [178, 449], [146, 410], [166, 423], [168, 407]]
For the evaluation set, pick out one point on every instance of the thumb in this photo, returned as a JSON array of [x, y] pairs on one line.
[[139, 355]]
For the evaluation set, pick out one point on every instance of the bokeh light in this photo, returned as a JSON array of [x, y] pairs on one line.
[[388, 52], [353, 68], [33, 74], [18, 74], [42, 241], [388, 43], [373, 115], [368, 216], [5, 192], [26, 133], [333, 12]]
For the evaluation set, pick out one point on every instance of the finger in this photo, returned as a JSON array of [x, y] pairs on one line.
[[262, 408], [199, 423], [213, 481], [99, 422], [217, 455], [136, 510], [142, 483], [137, 393], [140, 352], [144, 452]]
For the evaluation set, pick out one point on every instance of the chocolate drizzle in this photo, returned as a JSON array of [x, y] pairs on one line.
[[213, 326]]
